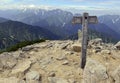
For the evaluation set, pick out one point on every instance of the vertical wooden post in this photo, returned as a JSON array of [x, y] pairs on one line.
[[84, 39], [84, 20]]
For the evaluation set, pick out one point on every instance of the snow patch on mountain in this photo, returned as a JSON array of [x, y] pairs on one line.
[[113, 21]]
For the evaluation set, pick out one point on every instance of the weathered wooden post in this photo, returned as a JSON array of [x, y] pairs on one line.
[[84, 20]]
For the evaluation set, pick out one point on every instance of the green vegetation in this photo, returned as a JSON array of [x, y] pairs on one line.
[[21, 44]]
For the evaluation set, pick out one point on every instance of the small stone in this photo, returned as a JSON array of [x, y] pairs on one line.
[[63, 57], [27, 48], [33, 75], [65, 62], [52, 74], [97, 49]]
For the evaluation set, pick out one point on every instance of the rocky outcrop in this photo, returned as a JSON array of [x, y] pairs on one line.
[[94, 72], [59, 62]]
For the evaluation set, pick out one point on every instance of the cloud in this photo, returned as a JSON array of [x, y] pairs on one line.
[[85, 7], [5, 1]]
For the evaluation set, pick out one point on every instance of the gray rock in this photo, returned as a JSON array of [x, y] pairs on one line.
[[45, 61], [57, 80], [64, 45], [61, 45], [28, 48], [76, 47], [52, 74], [117, 45], [33, 75], [61, 57], [98, 49], [65, 62], [94, 72], [96, 41]]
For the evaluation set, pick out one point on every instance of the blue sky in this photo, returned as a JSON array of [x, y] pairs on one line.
[[111, 6]]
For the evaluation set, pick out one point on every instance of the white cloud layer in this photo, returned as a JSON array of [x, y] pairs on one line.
[[5, 1]]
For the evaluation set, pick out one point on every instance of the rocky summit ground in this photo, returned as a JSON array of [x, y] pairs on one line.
[[59, 62]]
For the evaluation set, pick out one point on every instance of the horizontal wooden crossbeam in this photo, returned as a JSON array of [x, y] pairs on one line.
[[91, 20]]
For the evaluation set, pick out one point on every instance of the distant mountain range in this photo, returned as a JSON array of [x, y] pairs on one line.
[[12, 32], [3, 20], [113, 21], [56, 24]]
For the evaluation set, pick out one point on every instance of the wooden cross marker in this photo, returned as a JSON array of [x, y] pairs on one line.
[[84, 20]]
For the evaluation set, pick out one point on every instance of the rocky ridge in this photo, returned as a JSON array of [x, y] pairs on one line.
[[59, 62]]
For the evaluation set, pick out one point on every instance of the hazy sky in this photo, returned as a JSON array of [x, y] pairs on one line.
[[96, 6]]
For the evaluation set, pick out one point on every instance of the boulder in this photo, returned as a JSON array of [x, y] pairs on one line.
[[77, 47], [117, 45], [94, 72], [33, 75]]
